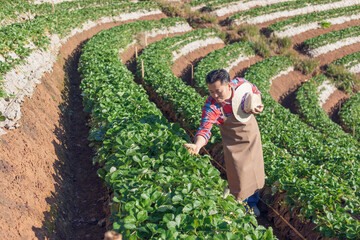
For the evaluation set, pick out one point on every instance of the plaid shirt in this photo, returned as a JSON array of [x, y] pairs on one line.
[[211, 113]]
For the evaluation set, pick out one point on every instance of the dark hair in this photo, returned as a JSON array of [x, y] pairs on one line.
[[218, 75]]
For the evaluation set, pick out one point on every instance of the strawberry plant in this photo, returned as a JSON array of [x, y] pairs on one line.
[[307, 98], [157, 59], [348, 61], [350, 115], [331, 37]]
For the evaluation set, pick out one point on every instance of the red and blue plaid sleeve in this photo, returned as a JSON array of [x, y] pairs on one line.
[[238, 81], [210, 115]]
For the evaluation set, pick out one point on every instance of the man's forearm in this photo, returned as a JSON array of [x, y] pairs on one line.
[[200, 141]]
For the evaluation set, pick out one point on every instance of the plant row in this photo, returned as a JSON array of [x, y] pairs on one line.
[[350, 115], [308, 142], [307, 97], [288, 131], [276, 8], [157, 59], [316, 17], [292, 171], [314, 152], [13, 11], [18, 40], [309, 186], [349, 61], [160, 191], [220, 58], [331, 37]]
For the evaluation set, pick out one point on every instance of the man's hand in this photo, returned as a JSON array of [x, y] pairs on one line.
[[192, 148], [258, 109]]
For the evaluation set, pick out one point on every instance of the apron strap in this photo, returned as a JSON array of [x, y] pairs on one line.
[[223, 113]]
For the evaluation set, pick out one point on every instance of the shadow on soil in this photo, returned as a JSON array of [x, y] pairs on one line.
[[78, 205]]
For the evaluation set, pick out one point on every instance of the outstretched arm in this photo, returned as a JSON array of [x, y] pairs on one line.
[[210, 114]]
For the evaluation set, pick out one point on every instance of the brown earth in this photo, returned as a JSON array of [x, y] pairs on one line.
[[283, 89], [182, 66], [49, 187], [333, 104], [240, 69]]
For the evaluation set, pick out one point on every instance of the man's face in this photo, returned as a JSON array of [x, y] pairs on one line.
[[220, 92]]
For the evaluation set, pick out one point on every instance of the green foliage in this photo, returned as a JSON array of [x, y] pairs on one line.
[[10, 10], [261, 48], [160, 190], [307, 101], [320, 161], [321, 16], [249, 30], [325, 24], [343, 79], [306, 65], [284, 44], [349, 60], [157, 59], [350, 115], [15, 38]]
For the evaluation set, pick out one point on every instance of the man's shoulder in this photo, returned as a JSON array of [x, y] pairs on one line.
[[237, 81]]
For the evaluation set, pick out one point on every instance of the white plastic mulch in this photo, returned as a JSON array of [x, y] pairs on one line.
[[355, 69], [188, 48], [333, 46], [240, 59], [285, 72], [324, 91]]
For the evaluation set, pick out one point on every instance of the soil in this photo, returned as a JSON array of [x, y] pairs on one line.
[[49, 187], [332, 104], [182, 66], [240, 69], [283, 89]]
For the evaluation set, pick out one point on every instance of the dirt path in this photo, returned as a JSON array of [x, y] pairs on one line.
[[182, 66], [283, 89]]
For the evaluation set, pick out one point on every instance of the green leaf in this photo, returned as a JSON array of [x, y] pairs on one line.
[[142, 216], [168, 217], [176, 199], [129, 226], [129, 219], [187, 208], [171, 225]]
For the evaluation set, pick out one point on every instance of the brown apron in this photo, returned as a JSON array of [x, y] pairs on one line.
[[243, 156]]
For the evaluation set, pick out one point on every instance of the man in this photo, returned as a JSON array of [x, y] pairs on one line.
[[240, 133]]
